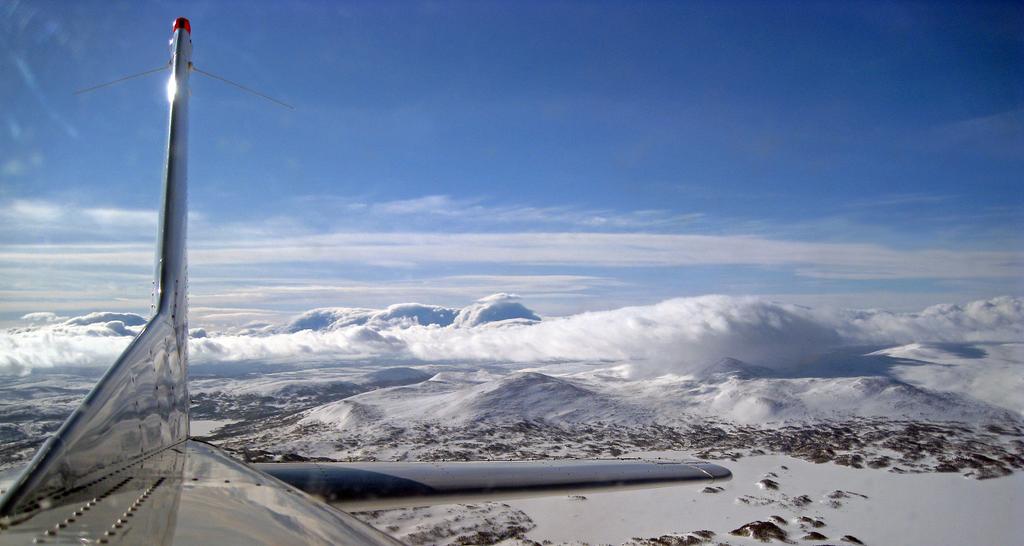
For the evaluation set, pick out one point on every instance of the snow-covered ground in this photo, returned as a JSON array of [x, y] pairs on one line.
[[986, 371], [860, 412], [896, 407], [873, 506], [876, 506], [205, 427]]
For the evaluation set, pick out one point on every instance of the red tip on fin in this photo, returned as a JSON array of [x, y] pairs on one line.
[[182, 22]]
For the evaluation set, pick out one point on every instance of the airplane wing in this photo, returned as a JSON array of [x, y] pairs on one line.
[[376, 485], [123, 470]]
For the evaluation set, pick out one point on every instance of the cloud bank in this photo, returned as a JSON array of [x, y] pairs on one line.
[[682, 335], [847, 261], [95, 339], [61, 255]]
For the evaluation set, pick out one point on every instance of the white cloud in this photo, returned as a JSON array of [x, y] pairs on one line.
[[240, 262], [449, 290], [996, 319], [818, 260], [679, 335], [95, 339], [122, 217], [31, 211], [494, 309], [42, 316], [676, 335], [616, 250], [28, 219], [477, 213]]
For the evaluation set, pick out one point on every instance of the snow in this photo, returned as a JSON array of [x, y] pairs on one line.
[[992, 372], [272, 383], [402, 375], [449, 524], [596, 395], [528, 395], [205, 427], [900, 509], [769, 400], [492, 379]]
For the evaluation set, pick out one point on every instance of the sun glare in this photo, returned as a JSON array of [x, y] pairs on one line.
[[172, 88]]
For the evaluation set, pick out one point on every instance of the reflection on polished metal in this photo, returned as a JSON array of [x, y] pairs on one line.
[[226, 502], [361, 486], [135, 504], [123, 430], [193, 494], [121, 469]]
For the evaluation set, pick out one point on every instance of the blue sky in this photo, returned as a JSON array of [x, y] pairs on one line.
[[585, 155]]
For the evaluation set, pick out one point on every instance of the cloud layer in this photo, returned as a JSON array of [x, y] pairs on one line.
[[679, 336], [850, 261], [71, 257]]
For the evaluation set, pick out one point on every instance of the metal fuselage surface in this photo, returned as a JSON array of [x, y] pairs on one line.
[[122, 469], [140, 406]]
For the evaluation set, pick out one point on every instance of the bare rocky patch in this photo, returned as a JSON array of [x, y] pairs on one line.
[[765, 531], [471, 524], [975, 451], [691, 539], [810, 522], [801, 500]]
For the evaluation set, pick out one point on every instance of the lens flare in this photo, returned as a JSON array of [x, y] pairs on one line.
[[172, 88]]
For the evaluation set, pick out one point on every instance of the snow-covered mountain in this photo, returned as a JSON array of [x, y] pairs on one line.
[[598, 409], [519, 396], [731, 395]]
